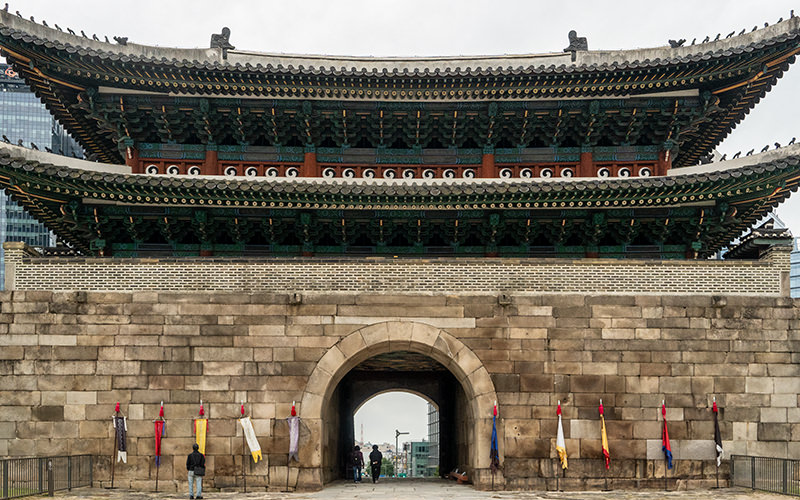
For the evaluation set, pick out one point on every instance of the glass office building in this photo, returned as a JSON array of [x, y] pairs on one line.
[[794, 275], [25, 121], [433, 442]]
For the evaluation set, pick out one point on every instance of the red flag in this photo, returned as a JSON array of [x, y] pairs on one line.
[[159, 428], [117, 407]]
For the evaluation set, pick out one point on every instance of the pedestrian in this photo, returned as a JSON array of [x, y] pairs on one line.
[[375, 459], [196, 465], [358, 463]]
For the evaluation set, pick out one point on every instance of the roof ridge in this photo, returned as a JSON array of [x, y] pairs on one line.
[[585, 60]]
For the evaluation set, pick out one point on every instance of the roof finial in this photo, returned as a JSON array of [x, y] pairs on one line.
[[222, 41], [122, 40], [677, 43], [576, 43]]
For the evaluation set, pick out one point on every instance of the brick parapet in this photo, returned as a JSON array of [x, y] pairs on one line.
[[395, 275]]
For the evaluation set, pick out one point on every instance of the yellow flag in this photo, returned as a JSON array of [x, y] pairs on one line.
[[604, 437], [200, 426]]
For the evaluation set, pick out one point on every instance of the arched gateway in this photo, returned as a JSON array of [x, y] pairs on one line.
[[468, 417]]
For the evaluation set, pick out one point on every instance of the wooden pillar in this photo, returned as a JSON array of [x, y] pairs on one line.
[[488, 167], [132, 160], [586, 165], [664, 162], [211, 164], [310, 166]]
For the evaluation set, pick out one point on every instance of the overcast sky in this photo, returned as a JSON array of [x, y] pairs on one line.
[[429, 27]]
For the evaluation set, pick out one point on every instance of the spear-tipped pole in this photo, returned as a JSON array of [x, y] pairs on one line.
[[114, 455], [160, 417], [666, 468], [244, 454]]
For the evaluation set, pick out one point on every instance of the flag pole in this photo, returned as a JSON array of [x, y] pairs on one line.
[[158, 457], [114, 454], [116, 447], [244, 454], [666, 462], [605, 467], [716, 425]]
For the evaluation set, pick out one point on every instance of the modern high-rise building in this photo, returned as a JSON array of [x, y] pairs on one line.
[[433, 441], [25, 121], [794, 275]]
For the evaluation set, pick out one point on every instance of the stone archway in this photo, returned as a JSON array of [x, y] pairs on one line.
[[393, 336]]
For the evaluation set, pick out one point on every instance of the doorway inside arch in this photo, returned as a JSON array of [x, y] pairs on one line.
[[391, 373]]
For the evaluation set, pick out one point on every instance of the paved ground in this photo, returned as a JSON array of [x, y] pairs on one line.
[[427, 490]]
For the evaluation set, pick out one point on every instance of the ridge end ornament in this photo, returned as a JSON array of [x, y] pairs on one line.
[[576, 43], [222, 41]]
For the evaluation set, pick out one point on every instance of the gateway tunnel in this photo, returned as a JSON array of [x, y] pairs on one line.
[[402, 371]]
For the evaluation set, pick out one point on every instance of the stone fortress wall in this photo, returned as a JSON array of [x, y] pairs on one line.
[[68, 356]]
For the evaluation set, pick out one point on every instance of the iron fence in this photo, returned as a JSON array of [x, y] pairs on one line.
[[776, 475], [21, 477]]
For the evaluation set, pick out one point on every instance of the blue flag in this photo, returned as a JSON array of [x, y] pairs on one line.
[[494, 453]]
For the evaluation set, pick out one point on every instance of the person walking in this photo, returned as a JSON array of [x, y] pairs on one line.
[[196, 466], [375, 459], [358, 463]]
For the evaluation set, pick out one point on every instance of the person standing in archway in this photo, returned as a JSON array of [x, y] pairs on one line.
[[375, 459], [357, 461]]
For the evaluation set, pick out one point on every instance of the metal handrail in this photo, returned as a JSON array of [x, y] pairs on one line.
[[20, 477], [776, 475]]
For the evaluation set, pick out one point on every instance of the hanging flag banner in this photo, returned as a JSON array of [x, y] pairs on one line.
[[604, 437], [250, 437], [561, 444], [717, 435], [120, 433], [160, 428], [200, 429], [494, 453], [294, 435], [665, 446]]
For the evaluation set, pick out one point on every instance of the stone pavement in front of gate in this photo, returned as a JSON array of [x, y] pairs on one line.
[[409, 489]]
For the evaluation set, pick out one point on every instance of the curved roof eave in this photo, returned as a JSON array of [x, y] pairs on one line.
[[59, 166], [242, 60]]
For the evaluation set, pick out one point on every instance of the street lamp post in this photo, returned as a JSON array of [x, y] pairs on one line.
[[397, 434]]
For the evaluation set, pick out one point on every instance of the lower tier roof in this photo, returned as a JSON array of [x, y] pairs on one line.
[[99, 208]]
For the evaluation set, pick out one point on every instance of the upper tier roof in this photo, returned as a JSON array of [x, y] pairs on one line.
[[30, 32], [729, 76]]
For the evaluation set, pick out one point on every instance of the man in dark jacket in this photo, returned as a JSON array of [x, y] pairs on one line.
[[196, 460], [375, 459], [357, 461]]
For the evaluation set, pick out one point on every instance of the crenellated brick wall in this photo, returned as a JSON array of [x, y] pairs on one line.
[[769, 277]]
